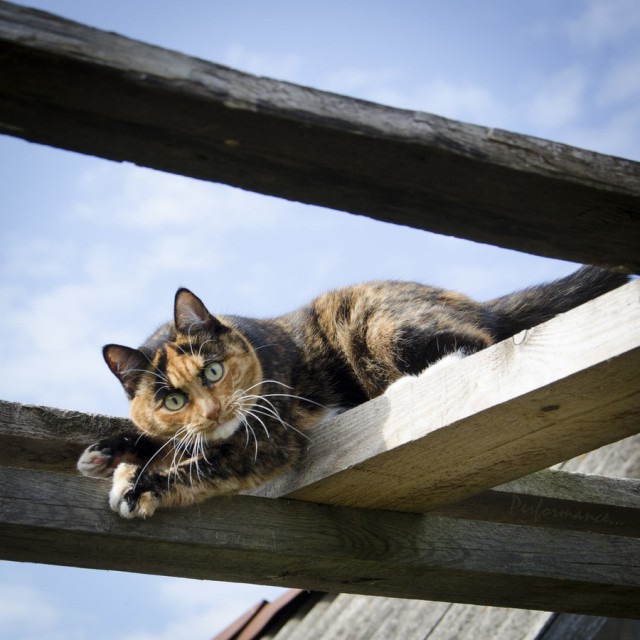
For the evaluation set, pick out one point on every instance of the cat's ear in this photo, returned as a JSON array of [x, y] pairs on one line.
[[190, 314], [126, 364]]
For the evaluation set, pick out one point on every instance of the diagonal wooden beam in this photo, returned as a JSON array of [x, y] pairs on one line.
[[559, 390], [57, 519], [70, 86]]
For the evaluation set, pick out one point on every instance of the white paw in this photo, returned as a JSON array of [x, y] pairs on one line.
[[446, 361], [96, 463], [409, 381], [401, 383], [123, 497]]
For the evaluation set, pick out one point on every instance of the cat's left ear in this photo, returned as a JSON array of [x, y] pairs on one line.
[[190, 314]]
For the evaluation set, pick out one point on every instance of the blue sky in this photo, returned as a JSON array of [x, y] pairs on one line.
[[92, 251]]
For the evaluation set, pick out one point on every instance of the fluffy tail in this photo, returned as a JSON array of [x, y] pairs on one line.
[[524, 309]]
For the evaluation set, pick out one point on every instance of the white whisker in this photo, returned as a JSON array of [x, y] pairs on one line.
[[267, 411], [250, 412], [248, 428]]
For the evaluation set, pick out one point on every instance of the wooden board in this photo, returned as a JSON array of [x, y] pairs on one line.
[[417, 620], [45, 439], [564, 388], [70, 86], [56, 519], [50, 439]]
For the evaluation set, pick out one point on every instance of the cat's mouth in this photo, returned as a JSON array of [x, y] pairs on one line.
[[223, 430]]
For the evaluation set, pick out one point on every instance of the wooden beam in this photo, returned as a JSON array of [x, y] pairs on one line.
[[557, 499], [70, 86], [57, 519], [50, 439], [559, 390], [44, 439]]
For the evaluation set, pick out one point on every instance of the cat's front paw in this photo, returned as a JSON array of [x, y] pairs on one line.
[[127, 498], [98, 461]]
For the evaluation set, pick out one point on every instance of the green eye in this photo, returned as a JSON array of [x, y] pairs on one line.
[[213, 371], [174, 401]]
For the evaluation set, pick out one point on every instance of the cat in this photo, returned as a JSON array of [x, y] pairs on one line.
[[224, 403]]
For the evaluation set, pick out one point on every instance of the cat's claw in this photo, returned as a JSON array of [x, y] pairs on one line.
[[97, 462], [123, 497]]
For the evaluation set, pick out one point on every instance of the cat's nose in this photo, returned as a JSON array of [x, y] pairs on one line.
[[210, 409]]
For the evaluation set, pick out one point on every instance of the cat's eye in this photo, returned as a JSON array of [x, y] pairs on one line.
[[174, 401], [213, 371]]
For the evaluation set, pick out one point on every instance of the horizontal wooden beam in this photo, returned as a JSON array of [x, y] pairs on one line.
[[557, 499], [57, 519], [50, 439], [44, 439], [70, 86], [559, 390]]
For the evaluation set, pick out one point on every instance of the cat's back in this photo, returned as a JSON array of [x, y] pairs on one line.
[[380, 330], [393, 302]]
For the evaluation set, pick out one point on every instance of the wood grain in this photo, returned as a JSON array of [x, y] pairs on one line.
[[51, 439], [56, 519], [45, 439], [70, 86]]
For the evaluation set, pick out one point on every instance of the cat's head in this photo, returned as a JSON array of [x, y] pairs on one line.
[[196, 375]]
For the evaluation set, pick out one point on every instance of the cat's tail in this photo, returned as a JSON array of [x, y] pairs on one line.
[[524, 309]]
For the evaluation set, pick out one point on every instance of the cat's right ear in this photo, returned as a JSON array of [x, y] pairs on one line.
[[126, 364], [191, 315]]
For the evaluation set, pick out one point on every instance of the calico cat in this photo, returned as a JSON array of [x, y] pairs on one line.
[[223, 403]]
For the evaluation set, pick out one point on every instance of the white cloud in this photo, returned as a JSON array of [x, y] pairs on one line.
[[460, 101], [466, 102], [560, 100], [128, 233], [25, 612], [605, 22], [127, 241], [157, 202], [376, 85], [617, 135], [622, 82], [200, 609], [286, 67]]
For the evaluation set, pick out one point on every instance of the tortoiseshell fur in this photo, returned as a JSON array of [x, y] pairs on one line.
[[247, 391]]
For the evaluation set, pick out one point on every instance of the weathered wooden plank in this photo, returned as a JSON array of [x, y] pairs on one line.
[[439, 622], [78, 88], [558, 500], [52, 518], [45, 439], [572, 627], [566, 387], [50, 439]]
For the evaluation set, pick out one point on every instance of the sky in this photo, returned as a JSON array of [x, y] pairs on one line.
[[92, 251]]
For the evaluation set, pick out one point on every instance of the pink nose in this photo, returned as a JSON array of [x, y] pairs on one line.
[[210, 409]]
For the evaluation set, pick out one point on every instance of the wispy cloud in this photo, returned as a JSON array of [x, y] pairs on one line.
[[130, 237], [622, 81], [25, 612], [605, 23], [287, 67], [199, 609], [560, 100]]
